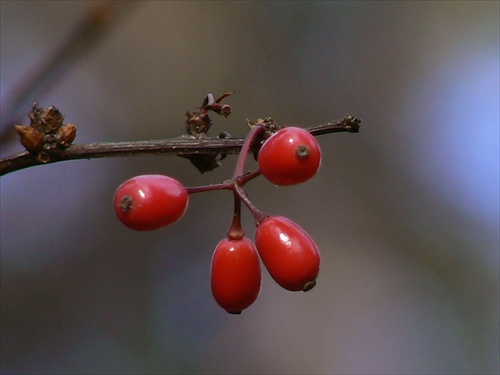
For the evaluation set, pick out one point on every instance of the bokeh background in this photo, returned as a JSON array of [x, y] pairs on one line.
[[406, 213]]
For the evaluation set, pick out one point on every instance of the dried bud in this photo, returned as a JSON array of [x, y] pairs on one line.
[[66, 135], [198, 124], [47, 121], [34, 116], [222, 110], [225, 110], [31, 138], [46, 131], [53, 119]]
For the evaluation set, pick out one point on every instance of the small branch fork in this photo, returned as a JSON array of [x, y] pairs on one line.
[[239, 178], [184, 145]]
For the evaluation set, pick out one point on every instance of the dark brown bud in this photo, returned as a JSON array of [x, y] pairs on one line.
[[53, 119]]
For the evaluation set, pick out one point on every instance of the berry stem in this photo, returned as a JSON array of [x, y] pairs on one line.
[[243, 179], [240, 178], [228, 185], [258, 215], [236, 231], [250, 138]]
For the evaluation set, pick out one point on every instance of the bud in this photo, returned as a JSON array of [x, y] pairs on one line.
[[66, 135], [31, 138]]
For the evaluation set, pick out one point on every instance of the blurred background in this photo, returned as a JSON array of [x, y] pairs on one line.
[[405, 213]]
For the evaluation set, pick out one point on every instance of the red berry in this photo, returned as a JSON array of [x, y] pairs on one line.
[[236, 274], [290, 156], [150, 202], [288, 252]]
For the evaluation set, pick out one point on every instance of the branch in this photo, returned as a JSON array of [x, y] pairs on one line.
[[177, 146], [88, 32]]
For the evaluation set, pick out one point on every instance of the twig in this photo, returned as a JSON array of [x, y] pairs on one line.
[[176, 146], [88, 32]]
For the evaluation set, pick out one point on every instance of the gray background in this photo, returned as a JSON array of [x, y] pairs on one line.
[[406, 213]]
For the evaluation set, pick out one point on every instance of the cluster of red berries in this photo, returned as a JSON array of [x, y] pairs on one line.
[[289, 156]]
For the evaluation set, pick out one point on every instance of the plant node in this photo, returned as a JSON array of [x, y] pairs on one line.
[[46, 132], [198, 123]]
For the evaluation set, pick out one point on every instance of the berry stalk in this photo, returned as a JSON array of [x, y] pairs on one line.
[[258, 215], [236, 231], [228, 185], [249, 140]]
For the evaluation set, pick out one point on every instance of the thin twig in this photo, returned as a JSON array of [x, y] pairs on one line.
[[91, 29], [174, 146]]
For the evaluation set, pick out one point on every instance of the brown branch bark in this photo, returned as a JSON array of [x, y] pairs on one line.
[[175, 146]]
